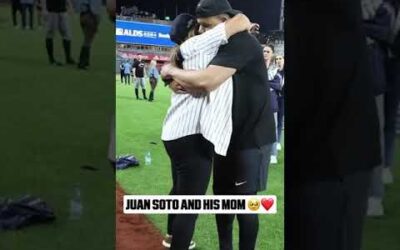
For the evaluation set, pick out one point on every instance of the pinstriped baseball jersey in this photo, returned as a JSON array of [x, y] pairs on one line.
[[209, 115]]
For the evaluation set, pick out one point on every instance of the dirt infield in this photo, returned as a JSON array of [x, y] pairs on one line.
[[134, 232]]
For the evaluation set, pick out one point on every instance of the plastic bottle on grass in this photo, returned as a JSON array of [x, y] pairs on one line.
[[147, 159], [76, 206]]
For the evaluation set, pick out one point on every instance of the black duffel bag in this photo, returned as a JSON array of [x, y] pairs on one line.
[[24, 211]]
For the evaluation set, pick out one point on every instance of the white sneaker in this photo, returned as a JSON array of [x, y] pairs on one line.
[[278, 146], [273, 159], [168, 239], [375, 207], [387, 176]]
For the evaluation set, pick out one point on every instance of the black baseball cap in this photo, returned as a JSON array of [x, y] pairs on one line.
[[181, 26], [209, 8]]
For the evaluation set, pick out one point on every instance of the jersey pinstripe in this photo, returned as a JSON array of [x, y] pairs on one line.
[[209, 115]]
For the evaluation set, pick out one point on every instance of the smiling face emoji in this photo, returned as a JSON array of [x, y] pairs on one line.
[[253, 204]]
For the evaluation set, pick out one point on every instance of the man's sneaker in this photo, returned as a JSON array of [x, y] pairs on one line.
[[273, 159], [375, 207], [71, 61], [168, 239], [56, 63], [387, 176], [192, 245], [278, 146]]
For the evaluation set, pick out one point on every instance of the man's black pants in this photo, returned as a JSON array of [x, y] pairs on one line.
[[191, 160], [122, 75], [15, 7], [241, 172], [327, 214]]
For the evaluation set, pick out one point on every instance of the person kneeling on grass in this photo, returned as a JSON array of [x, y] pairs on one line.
[[197, 123]]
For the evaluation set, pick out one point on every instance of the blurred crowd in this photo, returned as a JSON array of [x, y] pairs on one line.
[[53, 16], [381, 22]]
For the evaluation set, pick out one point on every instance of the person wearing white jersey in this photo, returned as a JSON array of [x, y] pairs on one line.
[[196, 124]]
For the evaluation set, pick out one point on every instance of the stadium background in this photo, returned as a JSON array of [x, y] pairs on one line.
[[145, 13]]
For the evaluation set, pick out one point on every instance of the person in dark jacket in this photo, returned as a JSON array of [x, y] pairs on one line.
[[122, 71], [377, 29], [392, 95], [280, 63], [275, 87], [274, 82], [335, 115]]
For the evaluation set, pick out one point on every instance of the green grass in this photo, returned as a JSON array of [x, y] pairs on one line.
[[383, 233], [54, 120], [138, 124]]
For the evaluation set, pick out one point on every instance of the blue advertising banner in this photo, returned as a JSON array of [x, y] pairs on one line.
[[142, 33]]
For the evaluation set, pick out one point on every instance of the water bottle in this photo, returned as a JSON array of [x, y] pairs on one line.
[[76, 207], [147, 159]]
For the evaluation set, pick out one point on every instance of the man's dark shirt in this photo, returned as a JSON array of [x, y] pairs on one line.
[[253, 122], [139, 68], [57, 6]]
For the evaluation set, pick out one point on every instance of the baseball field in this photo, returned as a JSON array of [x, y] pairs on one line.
[[54, 120], [138, 124]]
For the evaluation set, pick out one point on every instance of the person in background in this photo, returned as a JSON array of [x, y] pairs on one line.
[[27, 9], [122, 71], [39, 13], [274, 87], [268, 51], [15, 7], [376, 22], [335, 116], [392, 95], [139, 73], [153, 75], [56, 19], [127, 72], [111, 148], [280, 63], [89, 20]]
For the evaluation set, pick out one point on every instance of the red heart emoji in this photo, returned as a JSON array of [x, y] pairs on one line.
[[267, 203]]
